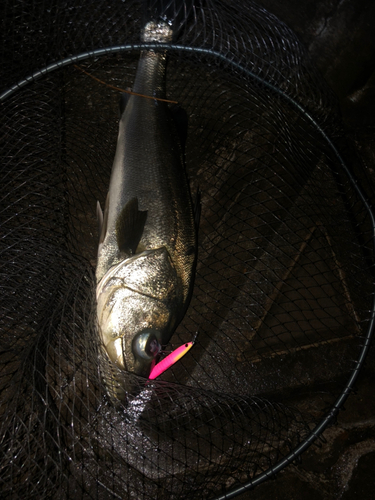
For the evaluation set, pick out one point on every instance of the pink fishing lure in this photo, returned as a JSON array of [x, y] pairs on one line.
[[170, 360]]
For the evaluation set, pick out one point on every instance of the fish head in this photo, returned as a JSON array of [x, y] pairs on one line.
[[137, 302]]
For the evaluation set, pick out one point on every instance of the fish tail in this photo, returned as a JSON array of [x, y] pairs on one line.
[[168, 13]]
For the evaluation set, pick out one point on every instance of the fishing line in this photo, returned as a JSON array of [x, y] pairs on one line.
[[123, 90]]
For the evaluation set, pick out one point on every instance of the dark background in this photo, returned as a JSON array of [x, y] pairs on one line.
[[340, 38]]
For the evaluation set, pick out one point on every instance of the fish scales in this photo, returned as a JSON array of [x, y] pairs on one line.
[[147, 248]]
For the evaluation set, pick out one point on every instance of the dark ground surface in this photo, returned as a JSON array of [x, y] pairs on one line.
[[340, 37]]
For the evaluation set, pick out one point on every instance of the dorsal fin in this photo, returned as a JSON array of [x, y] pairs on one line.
[[129, 227], [102, 220], [99, 217]]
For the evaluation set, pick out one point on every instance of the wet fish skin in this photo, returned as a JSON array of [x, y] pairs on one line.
[[147, 248]]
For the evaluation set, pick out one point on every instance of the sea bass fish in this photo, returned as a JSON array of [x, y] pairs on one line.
[[147, 247]]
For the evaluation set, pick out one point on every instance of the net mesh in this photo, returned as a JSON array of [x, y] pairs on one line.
[[284, 281]]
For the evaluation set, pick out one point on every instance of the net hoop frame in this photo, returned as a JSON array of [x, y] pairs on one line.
[[349, 387]]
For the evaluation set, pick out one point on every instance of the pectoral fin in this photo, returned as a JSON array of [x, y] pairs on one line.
[[129, 227]]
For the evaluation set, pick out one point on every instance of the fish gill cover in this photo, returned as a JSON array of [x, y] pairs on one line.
[[284, 279]]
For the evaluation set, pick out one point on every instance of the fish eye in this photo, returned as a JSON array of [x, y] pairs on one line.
[[146, 346]]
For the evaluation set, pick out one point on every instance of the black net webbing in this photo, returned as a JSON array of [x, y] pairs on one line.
[[283, 295]]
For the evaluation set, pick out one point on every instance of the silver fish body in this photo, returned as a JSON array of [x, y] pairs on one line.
[[147, 248]]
